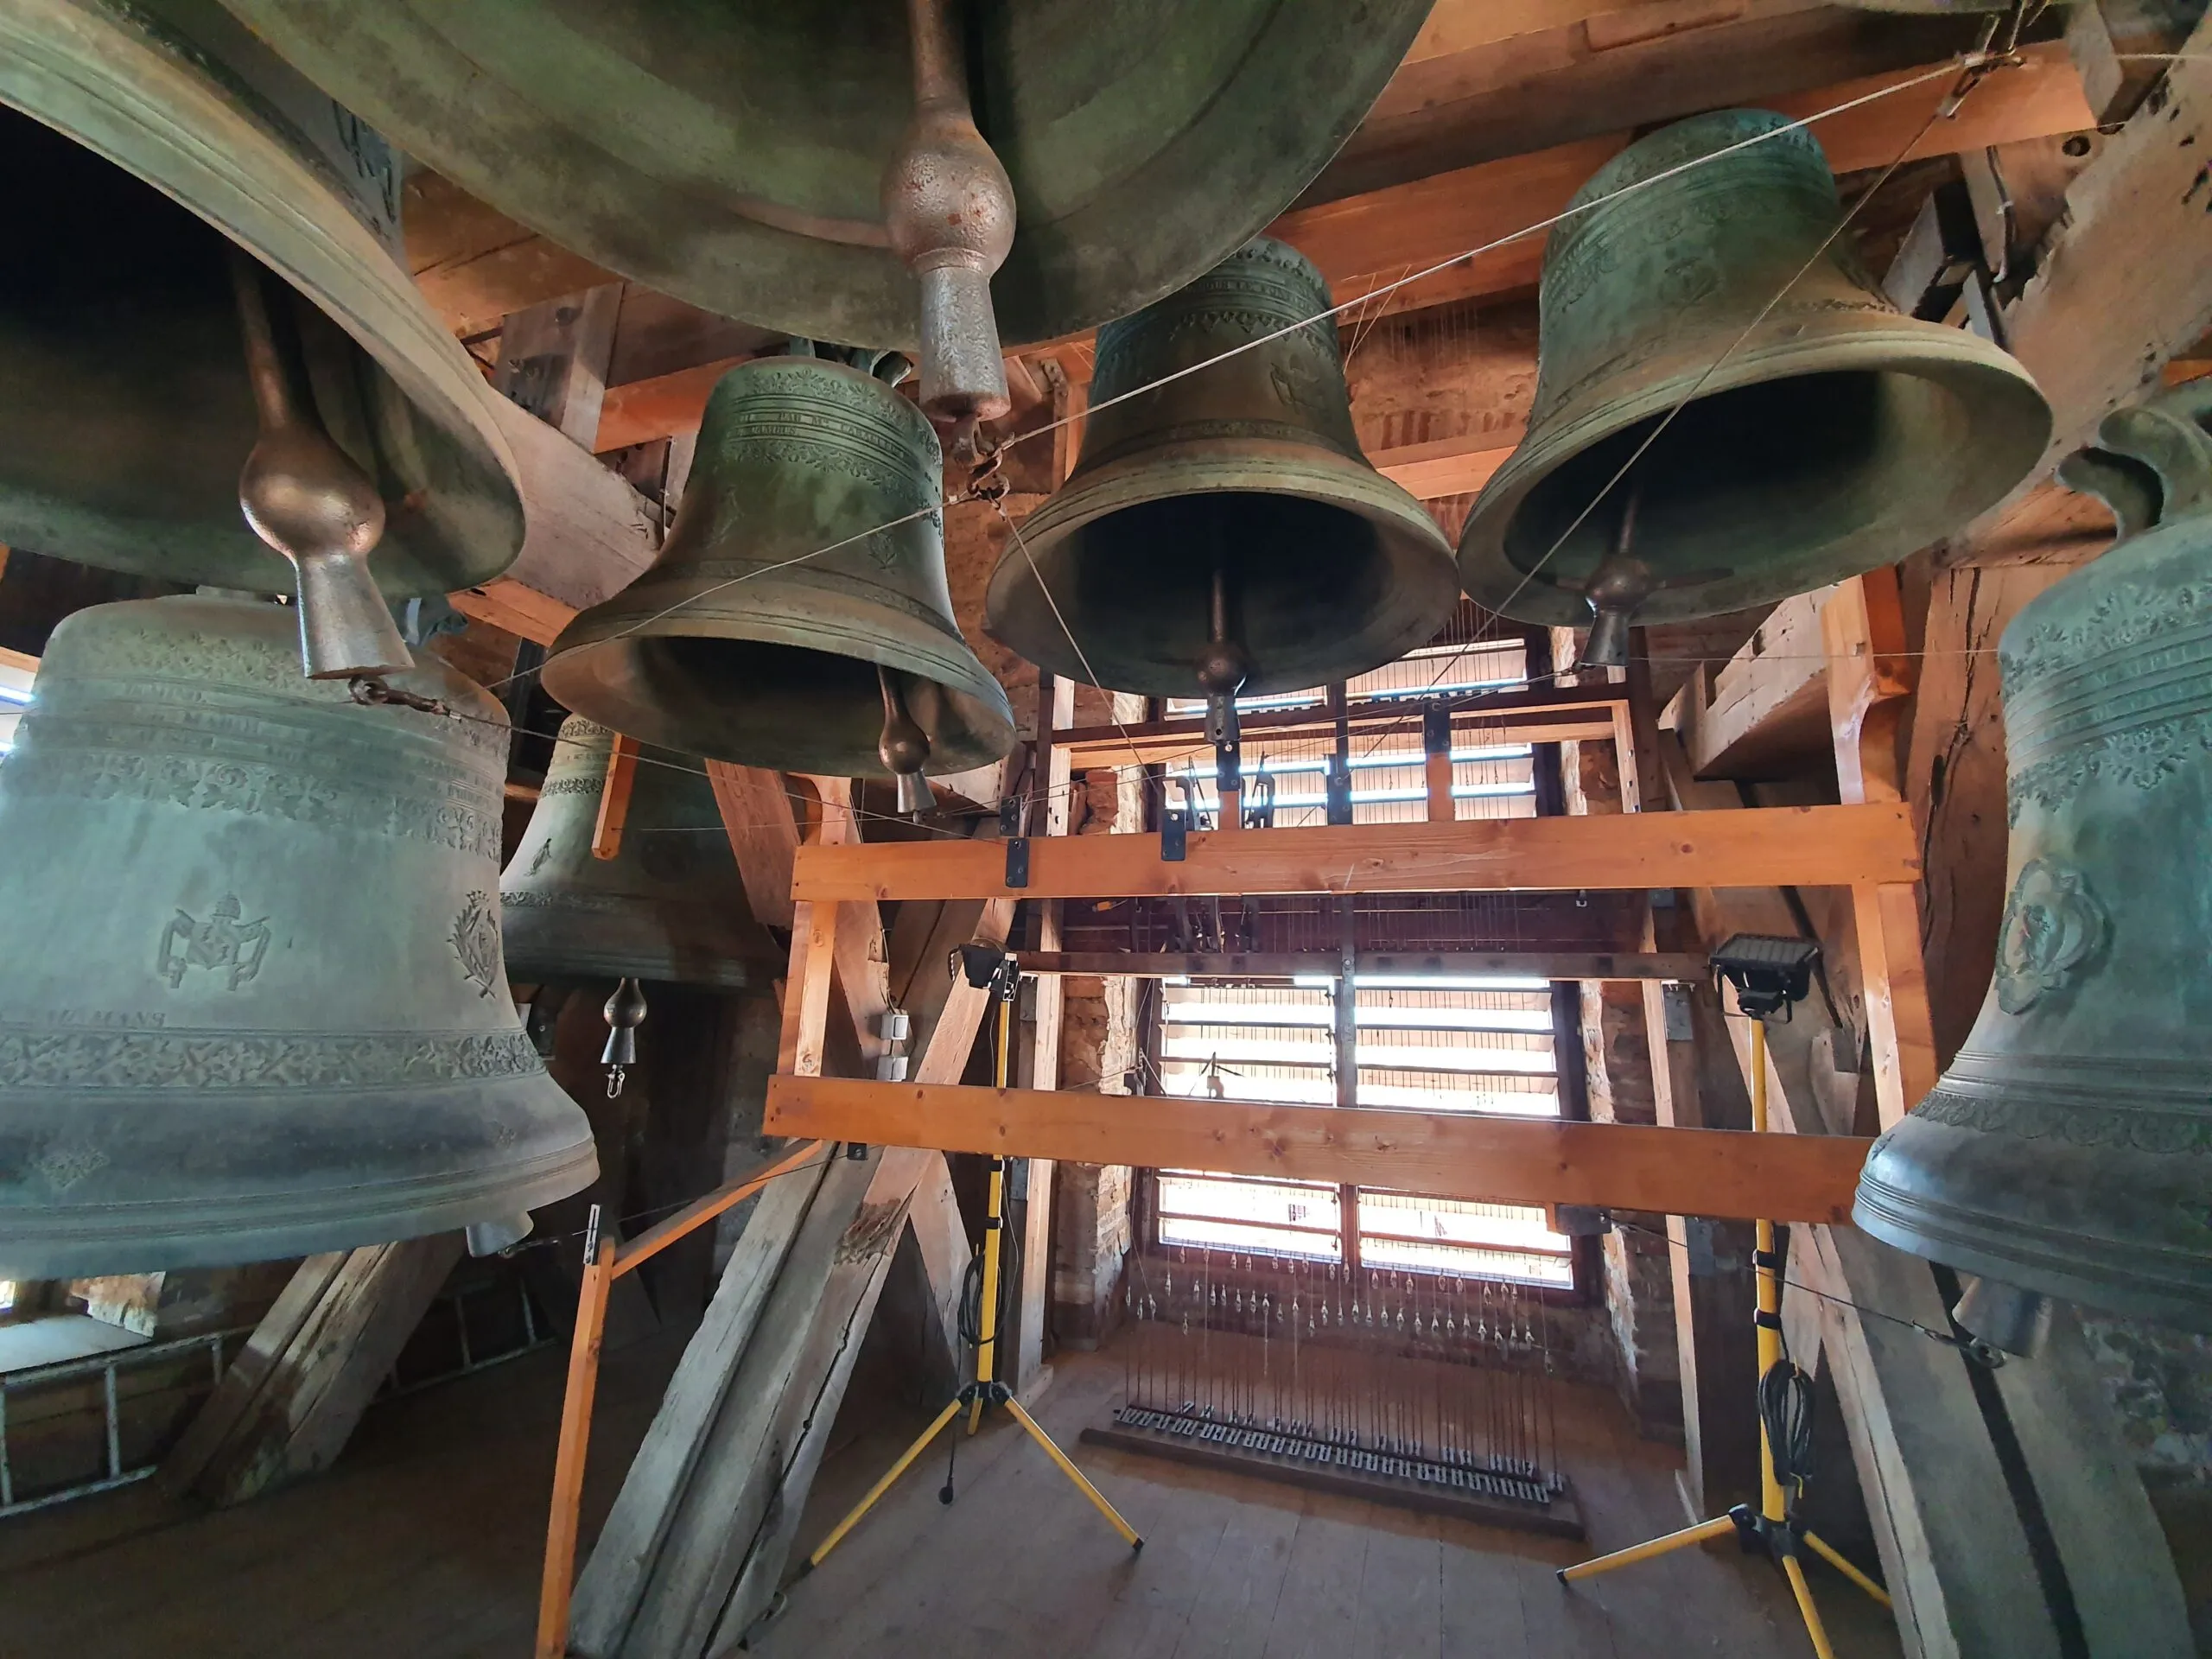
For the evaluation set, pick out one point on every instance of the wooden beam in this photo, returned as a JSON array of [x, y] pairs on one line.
[[661, 406], [588, 535], [763, 833], [1442, 466], [557, 1578], [1768, 706], [1290, 964], [553, 360], [614, 797], [1809, 846], [1456, 1155], [1363, 241]]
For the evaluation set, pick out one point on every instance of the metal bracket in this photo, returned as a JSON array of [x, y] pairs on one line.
[[1017, 844]]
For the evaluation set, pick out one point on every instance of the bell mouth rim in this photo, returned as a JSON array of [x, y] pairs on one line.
[[1952, 357], [984, 732], [1068, 275], [173, 128], [1225, 466], [1965, 1244], [77, 1240]]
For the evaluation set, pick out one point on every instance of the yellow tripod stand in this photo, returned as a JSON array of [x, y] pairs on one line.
[[1769, 974], [996, 972]]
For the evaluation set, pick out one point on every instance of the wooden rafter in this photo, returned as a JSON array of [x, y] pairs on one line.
[[1461, 1155]]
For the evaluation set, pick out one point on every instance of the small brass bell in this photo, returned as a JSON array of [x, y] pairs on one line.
[[800, 164], [668, 906], [1223, 533], [254, 1005], [2067, 1151], [1821, 434], [213, 282], [748, 641]]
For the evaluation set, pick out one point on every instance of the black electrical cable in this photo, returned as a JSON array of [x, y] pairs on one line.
[[1786, 1410], [971, 1287]]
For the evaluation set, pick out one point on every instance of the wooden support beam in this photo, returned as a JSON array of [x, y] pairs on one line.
[[553, 360], [1459, 1155], [291, 1403], [1768, 706], [1869, 674], [757, 815], [557, 1580], [1815, 846], [1291, 965], [614, 797]]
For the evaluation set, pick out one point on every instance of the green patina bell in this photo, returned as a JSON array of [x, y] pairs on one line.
[[1822, 434], [741, 156], [746, 641], [668, 906], [1223, 530], [2067, 1151], [141, 145], [253, 1006]]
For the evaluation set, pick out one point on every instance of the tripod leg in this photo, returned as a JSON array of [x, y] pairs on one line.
[[1075, 1474], [1821, 1548], [890, 1479], [1805, 1610], [1719, 1526]]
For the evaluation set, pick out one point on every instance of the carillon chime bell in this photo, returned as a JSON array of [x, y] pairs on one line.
[[1223, 533], [668, 906], [746, 641], [1820, 433], [2067, 1151], [254, 1005], [210, 315], [837, 170]]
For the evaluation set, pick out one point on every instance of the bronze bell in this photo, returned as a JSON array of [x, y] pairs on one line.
[[1818, 438], [777, 162], [154, 146], [2067, 1149], [668, 906], [254, 1006], [797, 618], [1223, 532]]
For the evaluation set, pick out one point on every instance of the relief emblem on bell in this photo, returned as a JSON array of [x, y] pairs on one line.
[[2052, 925], [223, 943], [2067, 1150]]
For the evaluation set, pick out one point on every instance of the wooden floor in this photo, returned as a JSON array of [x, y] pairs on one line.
[[424, 1542]]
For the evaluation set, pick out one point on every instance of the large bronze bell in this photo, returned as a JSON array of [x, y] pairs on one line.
[[797, 618], [144, 144], [741, 157], [1223, 532], [253, 1004], [2067, 1149], [668, 906], [1820, 437]]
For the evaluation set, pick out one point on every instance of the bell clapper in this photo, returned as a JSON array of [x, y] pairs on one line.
[[1618, 588], [625, 1012], [949, 207], [1222, 672], [904, 746], [309, 500]]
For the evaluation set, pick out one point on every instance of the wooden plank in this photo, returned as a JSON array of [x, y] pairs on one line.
[[757, 816], [661, 405], [2128, 284], [1894, 980], [553, 360], [1870, 673], [1810, 846], [1768, 706], [1290, 964], [613, 1577], [806, 993], [1442, 466], [557, 1580], [588, 534], [1533, 1160], [1384, 234], [614, 797]]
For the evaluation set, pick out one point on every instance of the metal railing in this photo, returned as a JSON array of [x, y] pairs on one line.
[[104, 1366]]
